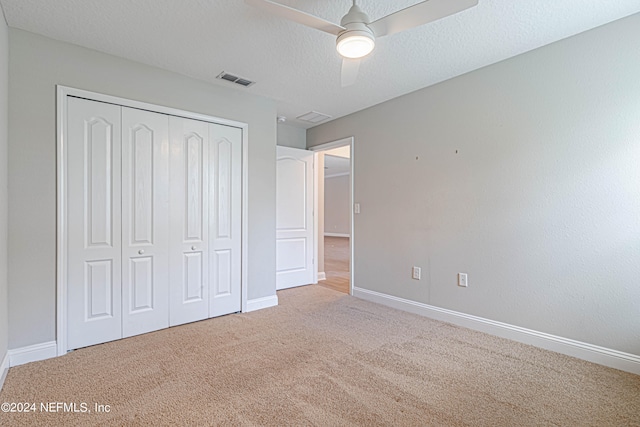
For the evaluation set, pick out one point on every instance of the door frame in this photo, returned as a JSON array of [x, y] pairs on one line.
[[348, 141], [62, 94]]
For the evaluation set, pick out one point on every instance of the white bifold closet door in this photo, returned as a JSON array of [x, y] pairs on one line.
[[154, 221], [94, 286], [190, 220], [145, 221], [225, 214], [205, 253]]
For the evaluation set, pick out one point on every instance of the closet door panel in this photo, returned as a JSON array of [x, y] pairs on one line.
[[225, 164], [93, 222], [145, 221], [154, 216], [189, 218]]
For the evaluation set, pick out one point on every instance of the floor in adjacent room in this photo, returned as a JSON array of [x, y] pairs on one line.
[[336, 264]]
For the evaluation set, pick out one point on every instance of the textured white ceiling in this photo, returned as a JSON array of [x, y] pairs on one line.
[[298, 66]]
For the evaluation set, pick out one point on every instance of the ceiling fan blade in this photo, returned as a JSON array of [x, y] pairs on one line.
[[296, 15], [350, 69], [418, 14]]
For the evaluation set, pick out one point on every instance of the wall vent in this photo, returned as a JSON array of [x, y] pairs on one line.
[[313, 117], [234, 79]]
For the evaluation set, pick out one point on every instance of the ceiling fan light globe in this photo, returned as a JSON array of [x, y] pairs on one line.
[[355, 44]]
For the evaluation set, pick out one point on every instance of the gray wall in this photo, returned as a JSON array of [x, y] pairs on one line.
[[290, 136], [37, 64], [4, 98], [337, 209], [525, 175]]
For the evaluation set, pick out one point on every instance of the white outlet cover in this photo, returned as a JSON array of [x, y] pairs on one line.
[[463, 280]]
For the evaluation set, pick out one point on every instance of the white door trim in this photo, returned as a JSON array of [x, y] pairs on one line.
[[316, 273], [350, 141], [62, 93]]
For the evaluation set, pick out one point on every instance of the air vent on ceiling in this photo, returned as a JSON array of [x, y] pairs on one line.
[[234, 79], [313, 117]]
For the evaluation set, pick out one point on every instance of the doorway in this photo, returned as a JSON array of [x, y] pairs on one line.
[[335, 214]]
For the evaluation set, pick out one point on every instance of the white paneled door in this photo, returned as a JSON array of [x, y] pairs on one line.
[[145, 221], [225, 214], [93, 213], [294, 217], [190, 220], [154, 211]]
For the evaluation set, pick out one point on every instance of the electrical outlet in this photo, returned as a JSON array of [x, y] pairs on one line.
[[462, 280], [416, 272], [356, 208]]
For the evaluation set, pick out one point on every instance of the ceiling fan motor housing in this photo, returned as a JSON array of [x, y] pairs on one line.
[[355, 14], [356, 31]]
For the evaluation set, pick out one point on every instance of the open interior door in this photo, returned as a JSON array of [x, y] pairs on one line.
[[294, 218]]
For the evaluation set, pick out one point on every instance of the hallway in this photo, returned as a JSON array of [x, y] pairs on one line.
[[336, 264]]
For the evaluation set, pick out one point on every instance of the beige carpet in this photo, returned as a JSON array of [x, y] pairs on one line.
[[327, 359]]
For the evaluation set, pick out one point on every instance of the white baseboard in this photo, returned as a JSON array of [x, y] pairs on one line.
[[32, 353], [260, 303], [336, 234], [589, 352], [322, 276], [4, 368]]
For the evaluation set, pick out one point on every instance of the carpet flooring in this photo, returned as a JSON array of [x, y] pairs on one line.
[[322, 358]]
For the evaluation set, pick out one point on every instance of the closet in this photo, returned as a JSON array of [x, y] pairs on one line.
[[153, 208]]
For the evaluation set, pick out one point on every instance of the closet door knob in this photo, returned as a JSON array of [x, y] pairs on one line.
[[141, 251], [193, 248]]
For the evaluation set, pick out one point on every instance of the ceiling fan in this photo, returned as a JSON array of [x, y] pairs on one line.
[[356, 35]]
